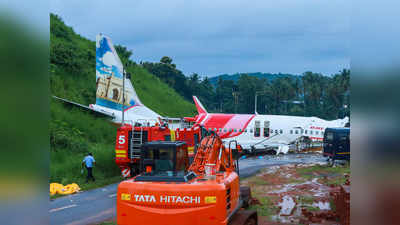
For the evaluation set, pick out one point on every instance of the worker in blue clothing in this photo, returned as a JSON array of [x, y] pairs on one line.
[[89, 162]]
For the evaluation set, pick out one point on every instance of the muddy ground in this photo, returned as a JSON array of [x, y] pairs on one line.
[[292, 188], [297, 193]]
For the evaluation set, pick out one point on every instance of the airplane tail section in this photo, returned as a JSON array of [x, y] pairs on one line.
[[109, 78], [199, 106]]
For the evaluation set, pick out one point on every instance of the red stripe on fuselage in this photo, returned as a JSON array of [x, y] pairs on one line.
[[130, 107], [217, 120], [226, 122], [317, 138]]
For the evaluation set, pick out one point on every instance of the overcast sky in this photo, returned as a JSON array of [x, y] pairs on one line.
[[212, 37]]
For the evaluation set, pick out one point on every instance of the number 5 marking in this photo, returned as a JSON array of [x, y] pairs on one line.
[[121, 140]]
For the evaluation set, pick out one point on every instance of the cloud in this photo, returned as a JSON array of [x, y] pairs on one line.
[[225, 36], [109, 59]]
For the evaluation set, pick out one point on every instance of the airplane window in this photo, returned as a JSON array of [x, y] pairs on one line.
[[291, 131], [305, 131], [240, 130], [209, 129], [276, 131], [266, 132], [311, 132], [234, 130], [322, 133], [257, 132], [220, 129], [245, 130], [281, 131], [251, 130], [317, 132], [224, 130], [215, 129], [296, 132]]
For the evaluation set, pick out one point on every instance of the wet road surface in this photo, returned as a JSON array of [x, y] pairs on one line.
[[250, 166], [98, 205]]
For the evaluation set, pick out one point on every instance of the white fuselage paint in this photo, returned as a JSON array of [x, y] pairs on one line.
[[283, 130]]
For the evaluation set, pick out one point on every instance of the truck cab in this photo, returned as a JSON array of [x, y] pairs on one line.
[[165, 161], [337, 143]]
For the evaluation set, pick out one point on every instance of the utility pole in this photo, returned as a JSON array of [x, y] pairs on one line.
[[123, 96], [255, 100], [235, 94], [255, 103], [236, 99]]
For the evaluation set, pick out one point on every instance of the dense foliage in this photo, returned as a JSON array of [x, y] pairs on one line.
[[309, 94], [73, 131]]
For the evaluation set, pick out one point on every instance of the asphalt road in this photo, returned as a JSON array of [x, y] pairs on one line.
[[98, 205]]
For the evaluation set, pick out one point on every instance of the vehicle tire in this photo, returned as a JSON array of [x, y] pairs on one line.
[[332, 163]]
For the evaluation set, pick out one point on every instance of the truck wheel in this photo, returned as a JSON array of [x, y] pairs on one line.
[[332, 162]]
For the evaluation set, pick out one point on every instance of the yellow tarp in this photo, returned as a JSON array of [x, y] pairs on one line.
[[56, 188]]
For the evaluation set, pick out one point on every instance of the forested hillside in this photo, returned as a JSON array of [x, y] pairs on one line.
[[308, 94], [235, 77], [73, 131]]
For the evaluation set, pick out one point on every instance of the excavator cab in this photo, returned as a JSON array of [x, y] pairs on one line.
[[165, 161]]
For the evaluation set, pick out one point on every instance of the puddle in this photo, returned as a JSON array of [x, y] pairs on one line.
[[287, 205], [322, 205]]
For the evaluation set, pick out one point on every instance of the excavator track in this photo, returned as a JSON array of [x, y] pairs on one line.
[[244, 217]]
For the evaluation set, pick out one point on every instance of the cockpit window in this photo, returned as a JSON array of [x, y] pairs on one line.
[[329, 136]]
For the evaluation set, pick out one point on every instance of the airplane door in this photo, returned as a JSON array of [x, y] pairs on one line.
[[266, 129], [257, 128]]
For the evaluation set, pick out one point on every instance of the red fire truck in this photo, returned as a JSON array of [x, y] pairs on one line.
[[130, 138]]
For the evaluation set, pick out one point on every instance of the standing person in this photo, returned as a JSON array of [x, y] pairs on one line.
[[88, 162]]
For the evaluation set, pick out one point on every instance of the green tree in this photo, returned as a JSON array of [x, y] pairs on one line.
[[166, 60]]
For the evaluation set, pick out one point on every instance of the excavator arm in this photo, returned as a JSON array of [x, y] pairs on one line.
[[212, 156]]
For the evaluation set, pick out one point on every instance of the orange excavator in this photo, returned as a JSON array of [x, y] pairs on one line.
[[169, 191]]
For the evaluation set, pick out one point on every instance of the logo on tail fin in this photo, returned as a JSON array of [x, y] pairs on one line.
[[199, 106], [109, 78]]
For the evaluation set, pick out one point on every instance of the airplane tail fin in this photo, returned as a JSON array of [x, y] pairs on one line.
[[199, 106], [109, 78]]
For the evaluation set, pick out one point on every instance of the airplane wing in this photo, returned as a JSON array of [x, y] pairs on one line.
[[97, 112], [279, 142]]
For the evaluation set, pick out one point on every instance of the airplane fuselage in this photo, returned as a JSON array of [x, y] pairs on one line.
[[250, 129]]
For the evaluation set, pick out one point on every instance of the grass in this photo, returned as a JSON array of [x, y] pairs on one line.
[[158, 96], [108, 223], [333, 175], [266, 207], [73, 131], [255, 180], [306, 199], [312, 208]]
